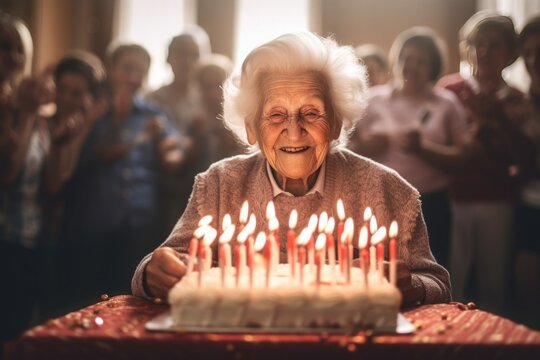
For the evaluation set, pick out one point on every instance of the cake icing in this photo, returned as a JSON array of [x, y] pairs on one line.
[[284, 304]]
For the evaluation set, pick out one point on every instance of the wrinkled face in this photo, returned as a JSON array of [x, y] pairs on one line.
[[294, 130], [12, 55], [531, 55], [489, 53], [72, 93], [183, 56], [129, 71], [414, 67]]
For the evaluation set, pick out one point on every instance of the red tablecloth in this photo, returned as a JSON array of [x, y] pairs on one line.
[[448, 331]]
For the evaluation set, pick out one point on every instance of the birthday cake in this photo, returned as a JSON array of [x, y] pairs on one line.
[[225, 300]]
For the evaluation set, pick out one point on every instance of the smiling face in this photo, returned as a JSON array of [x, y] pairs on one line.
[[129, 71], [414, 67], [489, 53], [295, 126], [72, 93]]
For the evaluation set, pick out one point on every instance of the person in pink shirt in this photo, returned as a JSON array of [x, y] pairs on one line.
[[410, 126]]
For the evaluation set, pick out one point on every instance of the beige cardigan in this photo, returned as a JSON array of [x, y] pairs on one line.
[[359, 181]]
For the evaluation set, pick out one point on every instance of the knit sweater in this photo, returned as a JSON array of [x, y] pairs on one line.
[[358, 181]]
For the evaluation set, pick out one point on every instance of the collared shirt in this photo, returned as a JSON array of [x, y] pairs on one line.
[[317, 187]]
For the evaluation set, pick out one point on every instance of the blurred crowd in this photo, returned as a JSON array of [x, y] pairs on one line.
[[95, 170]]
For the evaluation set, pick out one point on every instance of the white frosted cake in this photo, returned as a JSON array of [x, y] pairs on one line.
[[284, 304]]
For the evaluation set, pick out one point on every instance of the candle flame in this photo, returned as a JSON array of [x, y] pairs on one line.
[[293, 219], [273, 224], [340, 210], [243, 235], [392, 232], [312, 225], [330, 226], [270, 210], [251, 225], [200, 231], [323, 220], [304, 237], [210, 236], [373, 224], [227, 221], [320, 243], [205, 220], [227, 234], [367, 213], [260, 241], [379, 235], [348, 230], [363, 237], [244, 212]]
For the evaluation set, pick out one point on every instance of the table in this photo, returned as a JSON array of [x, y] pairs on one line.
[[114, 329]]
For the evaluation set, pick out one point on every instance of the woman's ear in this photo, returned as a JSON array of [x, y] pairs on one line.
[[251, 132], [337, 129]]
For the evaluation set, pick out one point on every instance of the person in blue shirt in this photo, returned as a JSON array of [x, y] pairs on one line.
[[112, 212]]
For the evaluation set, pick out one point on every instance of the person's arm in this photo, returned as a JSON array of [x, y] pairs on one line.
[[429, 282], [67, 139], [161, 269], [444, 157], [165, 138]]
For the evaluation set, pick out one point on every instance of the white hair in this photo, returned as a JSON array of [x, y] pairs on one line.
[[293, 54]]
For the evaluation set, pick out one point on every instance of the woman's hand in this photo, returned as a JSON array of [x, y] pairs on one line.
[[411, 140], [411, 295], [163, 271]]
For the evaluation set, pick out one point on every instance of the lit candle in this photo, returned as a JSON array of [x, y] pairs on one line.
[[261, 245], [291, 244], [208, 239], [320, 245], [377, 241], [240, 254], [362, 245], [367, 222], [341, 217], [348, 233], [273, 226], [392, 233], [312, 226], [372, 253], [225, 253], [250, 229], [329, 230], [193, 251], [244, 214], [323, 220], [302, 241]]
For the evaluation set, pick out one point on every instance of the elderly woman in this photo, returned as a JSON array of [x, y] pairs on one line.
[[295, 97]]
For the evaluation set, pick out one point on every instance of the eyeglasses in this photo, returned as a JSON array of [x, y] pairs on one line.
[[280, 117]]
